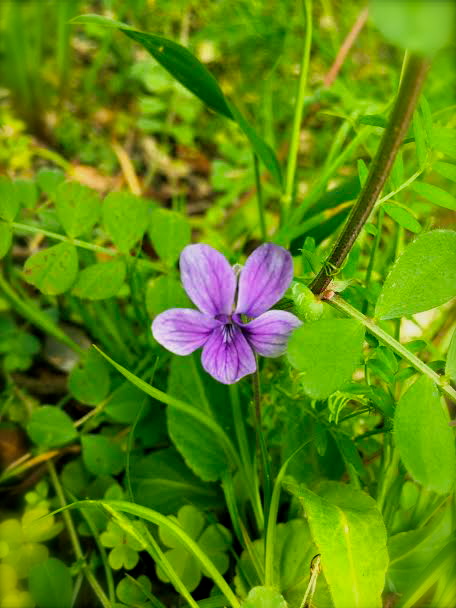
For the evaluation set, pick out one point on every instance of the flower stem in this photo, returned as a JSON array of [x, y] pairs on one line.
[[259, 194], [294, 143], [409, 90], [266, 469], [396, 346]]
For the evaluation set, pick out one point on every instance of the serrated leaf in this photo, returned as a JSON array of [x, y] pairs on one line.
[[52, 270], [9, 199], [169, 233], [51, 585], [423, 277], [402, 216], [50, 427], [326, 352], [6, 237], [78, 208], [450, 367], [419, 26], [424, 438], [101, 455], [125, 217], [100, 281], [349, 532], [90, 383], [435, 194]]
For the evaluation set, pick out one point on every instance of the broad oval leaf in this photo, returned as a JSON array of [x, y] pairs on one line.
[[348, 529], [9, 200], [51, 584], [423, 277], [50, 427], [100, 281], [125, 217], [90, 383], [169, 232], [53, 270], [326, 352], [163, 293], [78, 208], [419, 25], [424, 438]]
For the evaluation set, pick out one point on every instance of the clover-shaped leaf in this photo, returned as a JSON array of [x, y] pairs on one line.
[[135, 592], [124, 553], [214, 540]]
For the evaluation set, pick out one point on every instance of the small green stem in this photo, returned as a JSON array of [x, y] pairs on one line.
[[259, 193], [373, 254], [409, 90], [396, 346], [74, 538], [266, 470], [297, 119]]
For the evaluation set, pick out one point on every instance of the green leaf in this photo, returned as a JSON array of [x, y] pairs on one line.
[[349, 532], [50, 427], [448, 170], [49, 179], [264, 597], [444, 140], [402, 216], [435, 194], [423, 277], [51, 585], [6, 238], [100, 281], [26, 192], [169, 233], [177, 60], [125, 403], [102, 456], [450, 367], [194, 76], [201, 450], [162, 481], [196, 417], [326, 352], [420, 26], [125, 217], [134, 592], [53, 270], [263, 150], [424, 438], [163, 293], [363, 172], [420, 141], [90, 383], [9, 200], [78, 208]]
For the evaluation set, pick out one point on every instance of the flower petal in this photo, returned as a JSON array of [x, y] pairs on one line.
[[227, 356], [264, 279], [183, 330], [208, 279], [268, 334]]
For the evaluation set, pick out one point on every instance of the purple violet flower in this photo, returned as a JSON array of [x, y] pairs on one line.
[[229, 344]]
